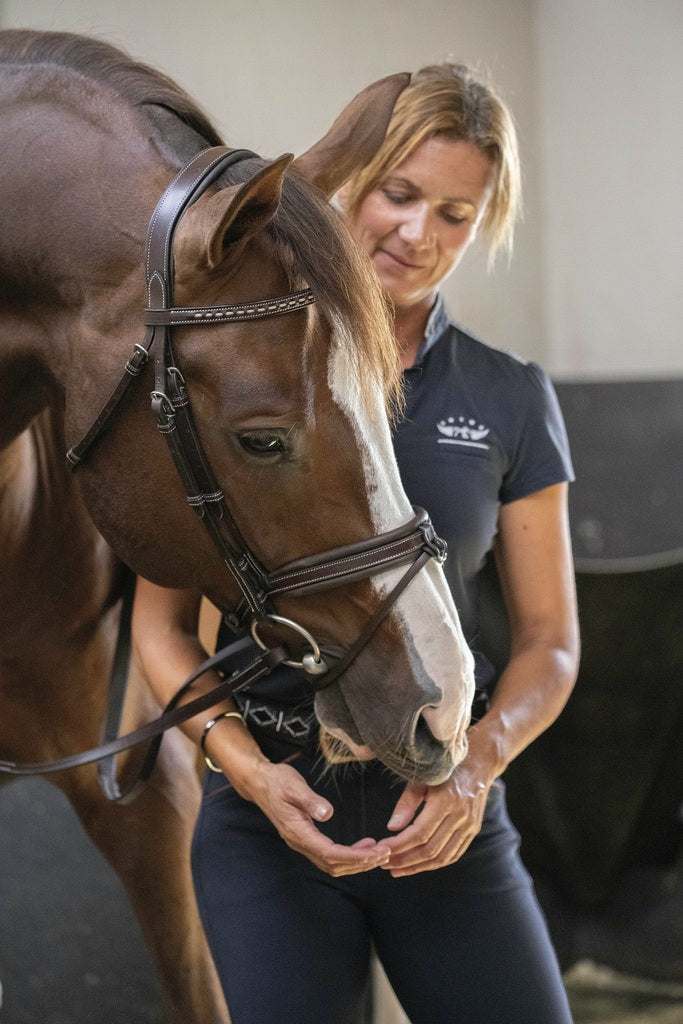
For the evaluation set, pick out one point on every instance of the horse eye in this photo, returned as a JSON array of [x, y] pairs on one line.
[[263, 443]]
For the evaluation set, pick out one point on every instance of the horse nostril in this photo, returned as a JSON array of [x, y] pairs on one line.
[[423, 736], [439, 725]]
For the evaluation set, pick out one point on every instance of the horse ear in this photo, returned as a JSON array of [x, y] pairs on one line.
[[218, 227], [355, 136]]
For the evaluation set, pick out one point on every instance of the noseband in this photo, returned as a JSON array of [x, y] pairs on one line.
[[413, 544]]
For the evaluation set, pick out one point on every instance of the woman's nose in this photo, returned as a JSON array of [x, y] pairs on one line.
[[415, 229]]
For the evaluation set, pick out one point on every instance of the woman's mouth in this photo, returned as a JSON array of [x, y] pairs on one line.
[[400, 260]]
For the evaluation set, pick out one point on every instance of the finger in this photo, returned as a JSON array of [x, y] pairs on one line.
[[368, 844], [343, 861], [429, 836], [333, 857], [430, 860], [406, 807], [422, 851], [298, 824], [422, 830], [311, 803], [294, 812]]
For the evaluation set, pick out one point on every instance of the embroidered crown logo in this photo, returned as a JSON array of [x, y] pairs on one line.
[[462, 430]]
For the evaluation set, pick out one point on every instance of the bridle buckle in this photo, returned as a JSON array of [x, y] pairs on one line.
[[435, 545]]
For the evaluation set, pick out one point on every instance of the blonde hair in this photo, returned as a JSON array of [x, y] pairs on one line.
[[453, 101]]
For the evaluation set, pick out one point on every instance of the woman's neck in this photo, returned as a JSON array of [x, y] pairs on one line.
[[410, 323]]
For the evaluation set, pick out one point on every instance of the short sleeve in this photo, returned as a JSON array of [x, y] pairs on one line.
[[541, 457]]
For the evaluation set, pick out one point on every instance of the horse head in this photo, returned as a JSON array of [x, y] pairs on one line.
[[291, 410], [301, 428]]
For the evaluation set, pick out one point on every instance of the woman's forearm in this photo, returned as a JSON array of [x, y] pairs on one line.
[[529, 695], [168, 649]]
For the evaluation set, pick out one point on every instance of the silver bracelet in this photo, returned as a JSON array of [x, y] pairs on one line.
[[207, 728]]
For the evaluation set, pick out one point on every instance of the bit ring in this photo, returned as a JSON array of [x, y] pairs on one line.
[[312, 662]]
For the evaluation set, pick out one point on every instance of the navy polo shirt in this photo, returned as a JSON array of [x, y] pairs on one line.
[[481, 428]]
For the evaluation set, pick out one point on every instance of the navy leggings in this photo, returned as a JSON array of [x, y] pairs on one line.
[[466, 944]]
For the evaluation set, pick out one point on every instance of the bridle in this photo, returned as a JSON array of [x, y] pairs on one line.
[[416, 542], [412, 545]]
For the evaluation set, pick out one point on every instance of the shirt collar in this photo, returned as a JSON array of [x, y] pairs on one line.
[[436, 325]]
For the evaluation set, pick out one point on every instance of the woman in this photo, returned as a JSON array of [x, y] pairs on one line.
[[450, 909]]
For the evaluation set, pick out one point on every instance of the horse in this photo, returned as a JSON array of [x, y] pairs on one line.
[[284, 368]]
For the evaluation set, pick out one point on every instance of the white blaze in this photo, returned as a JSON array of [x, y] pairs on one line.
[[426, 607]]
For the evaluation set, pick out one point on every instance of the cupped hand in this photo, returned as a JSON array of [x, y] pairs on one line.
[[435, 824], [293, 807]]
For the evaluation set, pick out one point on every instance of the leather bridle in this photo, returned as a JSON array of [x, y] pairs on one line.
[[170, 403], [412, 545]]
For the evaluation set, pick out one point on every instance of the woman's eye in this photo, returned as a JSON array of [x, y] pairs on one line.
[[454, 218], [399, 198], [263, 442]]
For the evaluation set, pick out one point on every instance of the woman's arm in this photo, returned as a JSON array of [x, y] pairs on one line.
[[533, 555], [165, 638], [534, 561]]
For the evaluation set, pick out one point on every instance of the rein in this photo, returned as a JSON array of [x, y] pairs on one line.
[[413, 544]]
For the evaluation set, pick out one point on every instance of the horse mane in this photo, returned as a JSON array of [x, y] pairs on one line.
[[138, 84], [331, 262], [325, 258]]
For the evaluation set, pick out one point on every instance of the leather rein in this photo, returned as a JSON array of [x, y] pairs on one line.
[[413, 544]]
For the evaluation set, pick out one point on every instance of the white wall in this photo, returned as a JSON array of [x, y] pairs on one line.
[[610, 131], [596, 85]]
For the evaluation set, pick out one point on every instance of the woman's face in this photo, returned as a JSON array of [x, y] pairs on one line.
[[418, 222]]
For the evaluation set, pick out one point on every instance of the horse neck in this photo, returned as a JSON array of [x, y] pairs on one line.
[[47, 539], [33, 483]]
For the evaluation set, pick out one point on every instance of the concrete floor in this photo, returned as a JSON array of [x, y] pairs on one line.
[[70, 947], [71, 951], [601, 996]]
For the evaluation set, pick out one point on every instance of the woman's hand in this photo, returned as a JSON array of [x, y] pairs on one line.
[[165, 635], [293, 807], [450, 817], [533, 554]]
